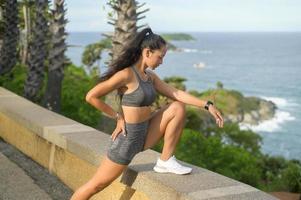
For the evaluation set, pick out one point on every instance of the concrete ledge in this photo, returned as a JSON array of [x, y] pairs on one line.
[[73, 152]]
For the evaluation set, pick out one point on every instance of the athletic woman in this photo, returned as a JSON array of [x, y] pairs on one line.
[[137, 127]]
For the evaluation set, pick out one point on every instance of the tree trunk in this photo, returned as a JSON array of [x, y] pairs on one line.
[[52, 98], [8, 51], [1, 24], [37, 52]]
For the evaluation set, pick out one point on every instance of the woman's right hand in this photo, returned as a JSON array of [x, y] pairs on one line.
[[120, 128]]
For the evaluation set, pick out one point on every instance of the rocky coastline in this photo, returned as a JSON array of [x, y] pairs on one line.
[[266, 110]]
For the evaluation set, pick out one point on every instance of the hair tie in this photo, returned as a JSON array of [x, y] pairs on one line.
[[149, 32]]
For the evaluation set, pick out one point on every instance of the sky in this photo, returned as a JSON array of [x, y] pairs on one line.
[[194, 15]]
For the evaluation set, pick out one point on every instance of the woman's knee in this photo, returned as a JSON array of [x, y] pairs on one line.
[[178, 108], [101, 186], [105, 175], [95, 187]]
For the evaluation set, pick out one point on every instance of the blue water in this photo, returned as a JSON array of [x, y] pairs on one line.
[[267, 65]]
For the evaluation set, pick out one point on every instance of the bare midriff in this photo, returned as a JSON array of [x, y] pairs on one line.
[[136, 114]]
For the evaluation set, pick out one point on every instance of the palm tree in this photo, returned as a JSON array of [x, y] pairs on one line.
[[37, 51], [57, 58], [125, 25], [1, 22], [9, 26]]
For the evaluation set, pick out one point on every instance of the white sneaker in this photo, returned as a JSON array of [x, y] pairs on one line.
[[171, 165]]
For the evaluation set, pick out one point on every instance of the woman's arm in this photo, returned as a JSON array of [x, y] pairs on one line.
[[182, 96], [117, 80], [176, 94]]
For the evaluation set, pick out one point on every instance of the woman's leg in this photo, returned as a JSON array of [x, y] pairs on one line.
[[107, 172], [168, 122]]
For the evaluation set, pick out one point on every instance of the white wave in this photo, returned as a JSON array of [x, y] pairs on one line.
[[186, 50], [271, 125], [280, 102]]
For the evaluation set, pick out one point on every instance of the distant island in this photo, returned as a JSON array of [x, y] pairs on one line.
[[177, 36]]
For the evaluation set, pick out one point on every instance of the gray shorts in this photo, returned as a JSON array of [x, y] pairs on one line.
[[124, 148]]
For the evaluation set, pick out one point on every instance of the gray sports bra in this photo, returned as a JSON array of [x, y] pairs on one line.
[[144, 95]]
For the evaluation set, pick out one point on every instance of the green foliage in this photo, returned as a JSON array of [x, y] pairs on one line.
[[197, 119], [250, 103], [195, 93], [219, 85], [214, 155], [92, 52], [177, 36], [176, 81], [107, 43], [193, 119], [75, 86], [232, 135], [280, 174], [273, 165], [14, 80], [291, 177]]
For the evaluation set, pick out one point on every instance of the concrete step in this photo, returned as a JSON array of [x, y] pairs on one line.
[[13, 158], [15, 184]]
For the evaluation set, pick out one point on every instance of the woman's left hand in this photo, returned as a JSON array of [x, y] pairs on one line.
[[217, 116]]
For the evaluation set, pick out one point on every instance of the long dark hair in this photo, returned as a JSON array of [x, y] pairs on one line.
[[132, 52]]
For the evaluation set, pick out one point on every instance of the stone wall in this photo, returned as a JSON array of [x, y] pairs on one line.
[[72, 151]]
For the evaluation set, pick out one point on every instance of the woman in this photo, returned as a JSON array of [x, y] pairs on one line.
[[137, 127]]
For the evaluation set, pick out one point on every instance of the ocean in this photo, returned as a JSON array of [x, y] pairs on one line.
[[262, 64]]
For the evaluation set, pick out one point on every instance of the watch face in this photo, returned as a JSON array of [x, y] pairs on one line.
[[208, 104]]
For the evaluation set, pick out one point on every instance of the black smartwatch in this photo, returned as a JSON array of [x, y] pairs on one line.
[[208, 104]]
